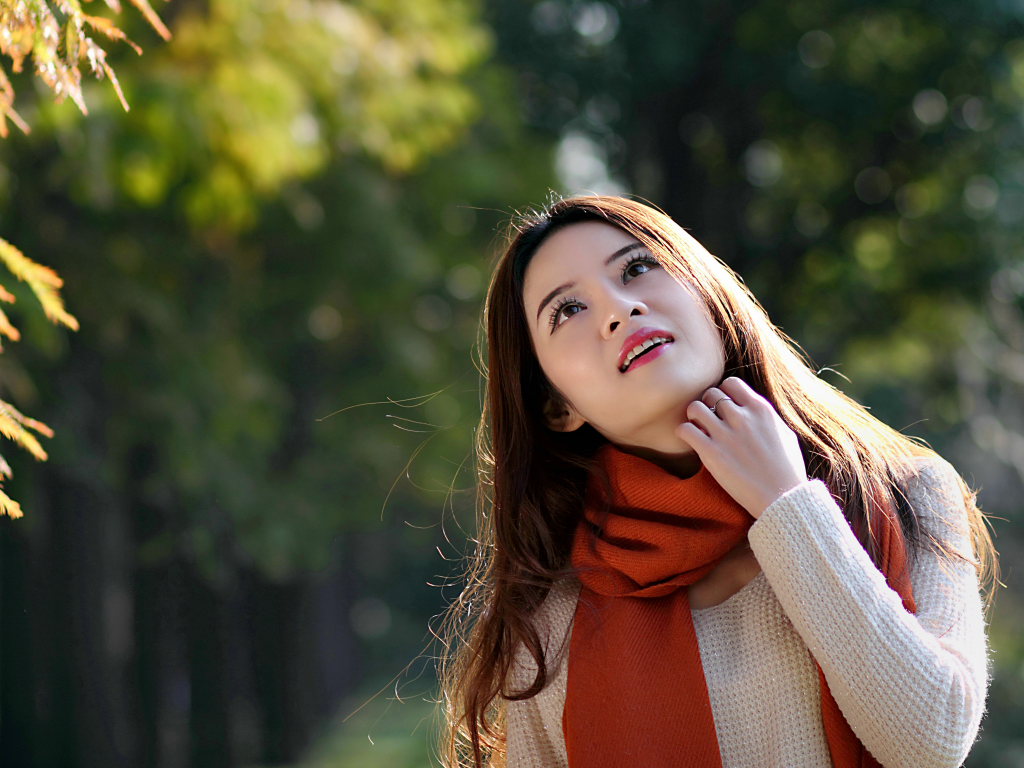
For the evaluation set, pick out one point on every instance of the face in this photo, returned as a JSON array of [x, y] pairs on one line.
[[626, 345]]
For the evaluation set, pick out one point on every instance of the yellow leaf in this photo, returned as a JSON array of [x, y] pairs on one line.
[[7, 329], [71, 42], [20, 418], [38, 426], [43, 281], [152, 18], [11, 429], [116, 84], [7, 111], [9, 506], [108, 28]]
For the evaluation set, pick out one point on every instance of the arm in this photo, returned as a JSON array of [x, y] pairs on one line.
[[912, 687]]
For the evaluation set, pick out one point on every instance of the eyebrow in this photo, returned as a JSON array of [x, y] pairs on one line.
[[566, 286]]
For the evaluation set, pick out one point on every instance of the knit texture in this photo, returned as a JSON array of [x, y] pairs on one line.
[[912, 687]]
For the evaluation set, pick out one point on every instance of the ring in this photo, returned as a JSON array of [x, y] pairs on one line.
[[718, 401]]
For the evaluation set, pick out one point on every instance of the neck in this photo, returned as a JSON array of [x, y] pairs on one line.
[[681, 465]]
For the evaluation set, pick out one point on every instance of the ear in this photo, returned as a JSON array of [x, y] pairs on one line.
[[562, 417]]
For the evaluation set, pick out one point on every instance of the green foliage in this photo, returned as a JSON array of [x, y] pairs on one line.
[[859, 163], [255, 95], [56, 37], [237, 307], [266, 239], [293, 224], [862, 156]]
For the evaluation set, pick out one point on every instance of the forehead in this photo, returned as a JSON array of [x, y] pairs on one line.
[[571, 252]]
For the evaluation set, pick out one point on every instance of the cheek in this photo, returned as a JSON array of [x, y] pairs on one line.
[[570, 370], [563, 369], [714, 345]]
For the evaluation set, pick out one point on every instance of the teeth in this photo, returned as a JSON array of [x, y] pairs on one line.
[[635, 351]]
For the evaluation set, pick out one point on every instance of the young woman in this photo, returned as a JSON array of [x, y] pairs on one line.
[[692, 550]]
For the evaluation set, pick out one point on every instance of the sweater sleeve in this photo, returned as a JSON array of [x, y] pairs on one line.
[[912, 686]]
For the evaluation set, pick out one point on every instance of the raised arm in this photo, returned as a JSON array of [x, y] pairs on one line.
[[912, 686]]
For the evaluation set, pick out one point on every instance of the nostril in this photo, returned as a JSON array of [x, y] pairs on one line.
[[613, 325], [635, 311]]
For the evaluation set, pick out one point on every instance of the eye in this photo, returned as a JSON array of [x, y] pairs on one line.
[[638, 265], [566, 307]]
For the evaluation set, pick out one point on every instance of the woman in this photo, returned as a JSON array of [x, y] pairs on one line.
[[692, 550]]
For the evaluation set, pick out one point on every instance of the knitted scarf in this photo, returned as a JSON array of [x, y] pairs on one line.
[[636, 692]]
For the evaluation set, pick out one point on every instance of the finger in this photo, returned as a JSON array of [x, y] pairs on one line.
[[715, 399], [741, 392], [700, 414], [711, 394], [694, 436]]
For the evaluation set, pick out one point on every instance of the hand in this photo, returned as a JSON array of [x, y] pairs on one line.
[[744, 443]]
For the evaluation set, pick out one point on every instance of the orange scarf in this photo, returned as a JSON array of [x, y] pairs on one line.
[[636, 692]]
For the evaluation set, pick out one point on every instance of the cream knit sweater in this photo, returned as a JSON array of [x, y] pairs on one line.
[[912, 686]]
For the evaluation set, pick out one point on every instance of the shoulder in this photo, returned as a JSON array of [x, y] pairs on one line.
[[936, 483], [939, 498]]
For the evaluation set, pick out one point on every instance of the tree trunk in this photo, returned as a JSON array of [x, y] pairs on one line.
[[17, 683], [209, 715], [150, 600]]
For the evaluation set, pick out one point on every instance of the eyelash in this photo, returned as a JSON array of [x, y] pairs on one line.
[[566, 301], [643, 258], [556, 310]]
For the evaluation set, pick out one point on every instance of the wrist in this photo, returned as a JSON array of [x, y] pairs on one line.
[[773, 495]]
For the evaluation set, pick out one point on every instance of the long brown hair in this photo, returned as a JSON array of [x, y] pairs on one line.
[[532, 479]]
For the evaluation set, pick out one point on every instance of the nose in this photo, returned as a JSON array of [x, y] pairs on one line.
[[620, 311]]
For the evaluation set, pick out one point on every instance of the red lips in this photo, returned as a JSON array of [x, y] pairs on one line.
[[639, 337]]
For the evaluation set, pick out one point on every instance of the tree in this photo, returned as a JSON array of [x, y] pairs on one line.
[[269, 236], [857, 164], [56, 37]]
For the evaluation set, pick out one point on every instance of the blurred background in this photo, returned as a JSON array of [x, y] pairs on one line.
[[261, 478]]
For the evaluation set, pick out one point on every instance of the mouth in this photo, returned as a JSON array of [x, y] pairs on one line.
[[640, 344]]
